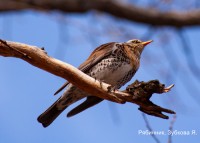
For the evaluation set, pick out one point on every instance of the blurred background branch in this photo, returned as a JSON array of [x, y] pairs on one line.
[[116, 8]]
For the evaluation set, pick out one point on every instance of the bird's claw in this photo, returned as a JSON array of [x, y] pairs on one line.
[[111, 88]]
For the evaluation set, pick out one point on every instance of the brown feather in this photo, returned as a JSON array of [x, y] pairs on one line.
[[98, 54], [131, 54], [89, 102]]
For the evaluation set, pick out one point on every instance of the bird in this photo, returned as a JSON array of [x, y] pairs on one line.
[[114, 63]]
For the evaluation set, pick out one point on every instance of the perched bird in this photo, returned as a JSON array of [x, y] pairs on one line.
[[113, 63]]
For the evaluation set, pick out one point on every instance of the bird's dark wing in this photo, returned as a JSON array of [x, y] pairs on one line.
[[97, 55], [89, 102], [61, 88]]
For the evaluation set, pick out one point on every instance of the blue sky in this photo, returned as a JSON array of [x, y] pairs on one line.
[[26, 91]]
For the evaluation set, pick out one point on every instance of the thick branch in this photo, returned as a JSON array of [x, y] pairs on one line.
[[37, 57], [115, 8], [138, 92]]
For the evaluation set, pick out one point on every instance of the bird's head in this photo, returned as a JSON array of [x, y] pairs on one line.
[[136, 44]]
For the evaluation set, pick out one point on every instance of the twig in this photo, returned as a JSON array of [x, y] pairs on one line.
[[171, 128], [5, 44], [146, 89], [149, 128], [189, 55], [174, 63]]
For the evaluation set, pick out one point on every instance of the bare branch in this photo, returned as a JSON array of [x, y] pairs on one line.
[[142, 92], [138, 92], [127, 11], [171, 128], [37, 57], [189, 54], [149, 128]]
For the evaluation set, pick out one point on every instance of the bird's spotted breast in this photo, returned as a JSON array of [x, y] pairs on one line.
[[110, 70]]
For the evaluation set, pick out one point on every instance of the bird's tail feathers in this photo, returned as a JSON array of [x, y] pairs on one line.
[[50, 114]]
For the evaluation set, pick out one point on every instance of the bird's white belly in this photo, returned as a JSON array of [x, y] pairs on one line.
[[111, 75]]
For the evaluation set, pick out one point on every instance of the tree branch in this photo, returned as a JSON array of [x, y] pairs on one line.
[[37, 57], [130, 12], [138, 92], [149, 128], [171, 128]]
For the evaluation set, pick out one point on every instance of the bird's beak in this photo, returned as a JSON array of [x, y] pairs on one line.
[[147, 42]]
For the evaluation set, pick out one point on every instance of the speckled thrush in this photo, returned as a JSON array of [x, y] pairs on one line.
[[113, 63]]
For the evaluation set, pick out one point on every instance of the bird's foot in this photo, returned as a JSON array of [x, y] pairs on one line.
[[101, 81], [111, 88], [43, 50]]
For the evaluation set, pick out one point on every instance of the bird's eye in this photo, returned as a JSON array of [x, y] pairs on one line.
[[136, 41]]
